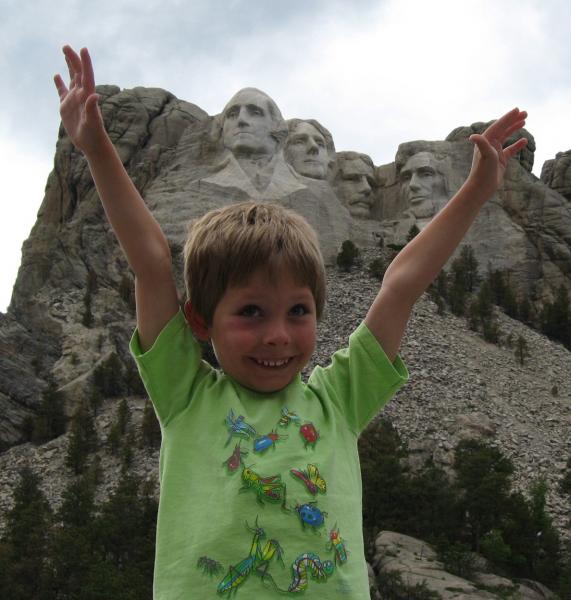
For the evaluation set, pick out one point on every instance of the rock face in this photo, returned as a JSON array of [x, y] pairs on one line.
[[556, 173], [418, 563], [460, 387], [72, 302]]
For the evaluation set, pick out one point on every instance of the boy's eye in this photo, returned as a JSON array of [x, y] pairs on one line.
[[251, 310], [299, 310]]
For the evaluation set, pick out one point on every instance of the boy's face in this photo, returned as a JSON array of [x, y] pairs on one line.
[[264, 331]]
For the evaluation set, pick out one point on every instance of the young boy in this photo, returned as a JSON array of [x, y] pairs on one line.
[[260, 481]]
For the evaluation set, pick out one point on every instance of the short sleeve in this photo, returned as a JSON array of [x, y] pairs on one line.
[[360, 379], [170, 368]]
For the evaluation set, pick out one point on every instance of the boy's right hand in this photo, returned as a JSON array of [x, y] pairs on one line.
[[79, 111]]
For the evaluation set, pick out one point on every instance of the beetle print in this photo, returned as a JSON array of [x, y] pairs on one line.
[[267, 441], [309, 434], [310, 514], [236, 458]]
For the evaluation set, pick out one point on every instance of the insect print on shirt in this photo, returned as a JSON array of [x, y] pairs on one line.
[[310, 514], [309, 434], [287, 417], [235, 459], [312, 479], [237, 426], [270, 489], [258, 559], [209, 566], [308, 564], [264, 442], [337, 544]]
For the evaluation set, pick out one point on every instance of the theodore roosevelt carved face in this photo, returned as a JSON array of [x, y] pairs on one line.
[[354, 182]]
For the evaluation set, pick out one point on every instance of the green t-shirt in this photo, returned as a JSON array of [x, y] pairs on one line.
[[261, 493]]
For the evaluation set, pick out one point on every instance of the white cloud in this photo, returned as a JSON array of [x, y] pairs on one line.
[[21, 189], [376, 73]]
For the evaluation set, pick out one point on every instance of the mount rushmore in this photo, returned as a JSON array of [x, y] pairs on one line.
[[186, 162]]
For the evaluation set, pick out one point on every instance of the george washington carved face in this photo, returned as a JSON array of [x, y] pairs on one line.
[[249, 121]]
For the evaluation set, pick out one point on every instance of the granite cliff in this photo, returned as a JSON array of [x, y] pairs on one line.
[[72, 303]]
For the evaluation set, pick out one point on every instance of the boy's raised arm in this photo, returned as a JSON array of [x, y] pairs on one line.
[[420, 261], [139, 234]]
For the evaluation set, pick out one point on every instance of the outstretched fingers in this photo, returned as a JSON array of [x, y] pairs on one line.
[[506, 125], [73, 65], [88, 78], [60, 87], [514, 148], [515, 127]]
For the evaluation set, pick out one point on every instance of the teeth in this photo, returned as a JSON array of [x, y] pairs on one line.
[[272, 363]]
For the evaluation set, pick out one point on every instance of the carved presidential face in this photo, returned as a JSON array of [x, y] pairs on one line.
[[306, 151], [248, 123], [423, 186], [353, 186]]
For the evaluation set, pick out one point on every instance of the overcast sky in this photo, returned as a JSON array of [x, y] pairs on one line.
[[375, 72]]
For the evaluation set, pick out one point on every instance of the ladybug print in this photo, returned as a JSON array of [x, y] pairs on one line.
[[310, 514], [309, 434]]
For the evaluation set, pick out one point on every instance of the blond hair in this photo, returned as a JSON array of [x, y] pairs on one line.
[[227, 245]]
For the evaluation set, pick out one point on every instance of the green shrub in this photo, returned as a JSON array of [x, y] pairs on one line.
[[377, 268], [348, 255], [108, 377]]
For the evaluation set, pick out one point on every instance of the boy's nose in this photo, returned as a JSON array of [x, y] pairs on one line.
[[277, 334]]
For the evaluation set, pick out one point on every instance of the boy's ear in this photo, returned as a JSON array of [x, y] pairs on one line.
[[197, 323]]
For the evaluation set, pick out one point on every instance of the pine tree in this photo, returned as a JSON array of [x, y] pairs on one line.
[[384, 477], [119, 429], [465, 268], [123, 416], [150, 428], [90, 289], [74, 539], [26, 541], [556, 318], [457, 297], [377, 268], [133, 382], [521, 350], [348, 255], [483, 477], [82, 441], [108, 377], [50, 419], [125, 531], [524, 311]]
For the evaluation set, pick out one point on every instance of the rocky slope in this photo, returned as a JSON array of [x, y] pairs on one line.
[[460, 387]]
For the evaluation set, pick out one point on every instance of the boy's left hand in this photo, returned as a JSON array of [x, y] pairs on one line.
[[490, 158]]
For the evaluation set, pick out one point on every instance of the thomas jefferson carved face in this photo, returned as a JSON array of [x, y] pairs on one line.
[[423, 185], [248, 124], [306, 151], [353, 185]]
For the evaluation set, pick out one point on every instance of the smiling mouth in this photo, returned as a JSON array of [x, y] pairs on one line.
[[272, 364]]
